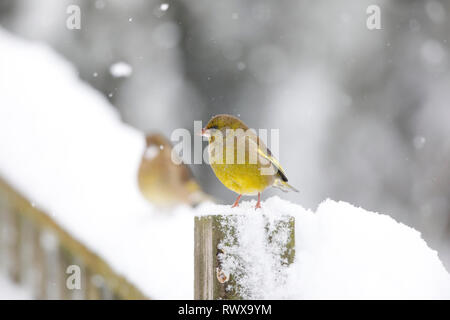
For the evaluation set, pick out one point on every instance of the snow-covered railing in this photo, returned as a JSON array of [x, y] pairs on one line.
[[39, 254]]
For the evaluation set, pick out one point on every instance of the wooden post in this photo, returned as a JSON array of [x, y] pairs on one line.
[[4, 248], [212, 232], [50, 245], [40, 274], [26, 251], [66, 259], [14, 232], [94, 286]]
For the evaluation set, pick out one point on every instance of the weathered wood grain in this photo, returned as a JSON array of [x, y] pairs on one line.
[[210, 281]]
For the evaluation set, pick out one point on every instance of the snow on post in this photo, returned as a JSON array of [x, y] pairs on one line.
[[341, 252], [240, 256]]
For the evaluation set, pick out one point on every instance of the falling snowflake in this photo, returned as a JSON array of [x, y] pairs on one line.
[[121, 70]]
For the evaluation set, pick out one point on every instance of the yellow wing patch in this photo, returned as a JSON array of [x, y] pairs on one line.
[[272, 160]]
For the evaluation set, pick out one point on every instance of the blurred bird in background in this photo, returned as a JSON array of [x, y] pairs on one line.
[[229, 139], [164, 183]]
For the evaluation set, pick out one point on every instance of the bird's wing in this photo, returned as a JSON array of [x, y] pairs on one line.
[[265, 152]]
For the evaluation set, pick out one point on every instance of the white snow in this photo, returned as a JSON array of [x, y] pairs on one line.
[[11, 291], [121, 69], [342, 252], [164, 6], [256, 263], [64, 147]]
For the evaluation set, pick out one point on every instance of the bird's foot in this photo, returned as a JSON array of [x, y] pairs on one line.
[[258, 204], [236, 203]]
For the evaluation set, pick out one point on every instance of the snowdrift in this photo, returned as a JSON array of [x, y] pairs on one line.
[[64, 147], [342, 252]]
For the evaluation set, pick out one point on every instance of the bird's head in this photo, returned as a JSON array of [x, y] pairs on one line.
[[222, 122], [157, 140], [156, 146]]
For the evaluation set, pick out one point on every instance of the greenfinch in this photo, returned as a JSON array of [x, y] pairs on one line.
[[163, 182], [240, 160]]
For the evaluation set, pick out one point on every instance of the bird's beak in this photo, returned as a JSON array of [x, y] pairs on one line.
[[201, 133]]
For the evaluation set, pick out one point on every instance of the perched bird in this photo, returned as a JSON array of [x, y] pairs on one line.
[[240, 160], [163, 182]]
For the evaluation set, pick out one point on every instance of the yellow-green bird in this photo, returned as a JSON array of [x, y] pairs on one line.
[[240, 160], [163, 182]]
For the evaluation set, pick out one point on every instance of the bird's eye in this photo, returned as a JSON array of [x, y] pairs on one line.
[[214, 127]]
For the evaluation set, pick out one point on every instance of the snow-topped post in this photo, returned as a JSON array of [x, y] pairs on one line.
[[229, 259]]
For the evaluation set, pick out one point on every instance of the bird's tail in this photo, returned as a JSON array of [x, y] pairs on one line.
[[284, 186]]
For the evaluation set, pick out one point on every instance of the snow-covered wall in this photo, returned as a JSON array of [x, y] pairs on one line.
[[64, 147]]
